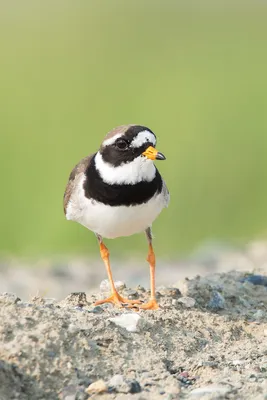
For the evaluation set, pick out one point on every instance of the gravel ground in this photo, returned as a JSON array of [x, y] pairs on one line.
[[208, 340]]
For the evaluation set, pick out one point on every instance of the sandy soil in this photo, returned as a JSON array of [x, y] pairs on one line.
[[207, 341], [216, 348]]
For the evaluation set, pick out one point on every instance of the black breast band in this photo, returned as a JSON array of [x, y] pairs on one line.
[[119, 195]]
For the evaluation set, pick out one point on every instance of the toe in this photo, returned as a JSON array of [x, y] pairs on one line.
[[127, 301], [151, 305]]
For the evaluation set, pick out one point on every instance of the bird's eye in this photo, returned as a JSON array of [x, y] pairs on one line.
[[121, 144]]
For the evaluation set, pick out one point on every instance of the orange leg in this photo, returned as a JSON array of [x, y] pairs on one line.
[[152, 304], [115, 297]]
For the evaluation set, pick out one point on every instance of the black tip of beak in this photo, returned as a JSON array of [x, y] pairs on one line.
[[160, 156]]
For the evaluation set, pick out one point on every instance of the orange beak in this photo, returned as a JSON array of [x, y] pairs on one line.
[[153, 154]]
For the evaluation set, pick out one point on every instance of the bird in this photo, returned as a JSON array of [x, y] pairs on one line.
[[118, 191]]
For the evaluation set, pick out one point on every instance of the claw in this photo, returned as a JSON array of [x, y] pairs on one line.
[[151, 305], [118, 301]]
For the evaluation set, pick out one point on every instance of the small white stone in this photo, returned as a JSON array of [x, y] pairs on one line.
[[128, 321], [238, 362], [211, 389], [105, 286], [116, 380], [187, 301], [265, 332], [119, 384], [73, 328], [70, 397]]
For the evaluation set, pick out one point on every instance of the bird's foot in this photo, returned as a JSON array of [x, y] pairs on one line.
[[118, 301], [151, 305]]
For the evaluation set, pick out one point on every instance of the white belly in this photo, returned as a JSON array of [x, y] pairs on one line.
[[111, 222]]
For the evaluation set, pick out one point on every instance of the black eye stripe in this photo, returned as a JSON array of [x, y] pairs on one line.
[[117, 156]]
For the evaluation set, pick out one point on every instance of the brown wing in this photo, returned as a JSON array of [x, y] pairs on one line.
[[77, 170]]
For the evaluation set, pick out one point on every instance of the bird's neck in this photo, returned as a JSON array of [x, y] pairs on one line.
[[138, 170]]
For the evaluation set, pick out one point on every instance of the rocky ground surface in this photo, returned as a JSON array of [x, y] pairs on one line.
[[207, 341]]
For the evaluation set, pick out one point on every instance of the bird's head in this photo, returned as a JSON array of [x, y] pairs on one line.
[[128, 142], [126, 155]]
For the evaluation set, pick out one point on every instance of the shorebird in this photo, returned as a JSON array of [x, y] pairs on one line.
[[118, 191]]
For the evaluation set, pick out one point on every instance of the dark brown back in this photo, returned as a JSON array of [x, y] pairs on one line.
[[77, 170]]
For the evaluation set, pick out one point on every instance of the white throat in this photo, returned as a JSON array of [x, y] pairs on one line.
[[140, 169]]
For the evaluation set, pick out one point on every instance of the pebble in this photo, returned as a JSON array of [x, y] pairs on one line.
[[135, 387], [170, 292], [97, 310], [105, 286], [140, 288], [215, 390], [9, 298], [238, 362], [70, 397], [130, 294], [259, 315], [256, 280], [78, 308], [116, 381], [187, 301], [97, 387], [73, 329], [186, 381], [76, 299], [252, 378], [217, 301], [129, 321], [107, 306], [120, 385], [211, 364]]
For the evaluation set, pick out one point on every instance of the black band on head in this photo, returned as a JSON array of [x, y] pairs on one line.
[[116, 157]]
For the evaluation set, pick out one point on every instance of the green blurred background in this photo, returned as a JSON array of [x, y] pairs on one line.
[[194, 72]]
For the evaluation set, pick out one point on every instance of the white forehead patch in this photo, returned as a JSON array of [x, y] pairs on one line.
[[142, 138], [112, 140]]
